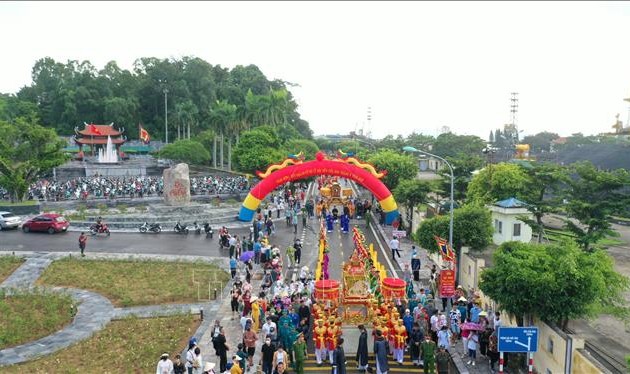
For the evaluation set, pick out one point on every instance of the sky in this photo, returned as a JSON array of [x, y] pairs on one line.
[[419, 66]]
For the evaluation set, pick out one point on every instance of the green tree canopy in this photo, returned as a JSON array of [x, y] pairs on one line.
[[27, 150], [296, 146], [472, 227], [450, 145], [189, 151], [554, 282], [499, 182], [593, 196], [256, 150], [411, 193], [399, 167], [540, 142], [546, 182], [463, 167]]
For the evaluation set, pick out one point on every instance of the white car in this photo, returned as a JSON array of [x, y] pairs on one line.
[[9, 220]]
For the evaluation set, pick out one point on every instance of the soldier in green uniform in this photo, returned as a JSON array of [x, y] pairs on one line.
[[427, 352], [442, 359], [299, 354]]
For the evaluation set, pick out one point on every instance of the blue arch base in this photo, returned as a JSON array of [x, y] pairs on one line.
[[391, 216]]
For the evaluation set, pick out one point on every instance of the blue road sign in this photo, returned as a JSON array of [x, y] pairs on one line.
[[518, 339]]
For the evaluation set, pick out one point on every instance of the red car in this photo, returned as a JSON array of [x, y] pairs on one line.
[[49, 222]]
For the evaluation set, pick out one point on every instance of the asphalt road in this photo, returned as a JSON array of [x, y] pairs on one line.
[[340, 245]]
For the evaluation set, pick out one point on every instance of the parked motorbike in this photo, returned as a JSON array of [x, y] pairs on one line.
[[99, 229], [181, 229], [154, 227], [196, 228], [208, 230]]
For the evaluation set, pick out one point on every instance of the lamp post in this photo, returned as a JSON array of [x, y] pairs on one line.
[[450, 226], [166, 114]]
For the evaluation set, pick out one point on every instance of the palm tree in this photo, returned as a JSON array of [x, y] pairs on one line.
[[270, 109], [222, 117], [187, 115]]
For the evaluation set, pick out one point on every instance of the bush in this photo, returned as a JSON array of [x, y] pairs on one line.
[[103, 209], [188, 151], [122, 208]]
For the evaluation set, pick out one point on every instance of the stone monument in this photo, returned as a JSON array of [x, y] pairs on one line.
[[176, 185]]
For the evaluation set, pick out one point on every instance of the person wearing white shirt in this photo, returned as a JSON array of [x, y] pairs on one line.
[[165, 365], [496, 322], [266, 328], [394, 244]]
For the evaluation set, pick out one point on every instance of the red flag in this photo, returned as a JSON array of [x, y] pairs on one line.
[[144, 135], [93, 129], [445, 250]]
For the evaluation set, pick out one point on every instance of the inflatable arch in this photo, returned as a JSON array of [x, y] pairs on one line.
[[293, 169]]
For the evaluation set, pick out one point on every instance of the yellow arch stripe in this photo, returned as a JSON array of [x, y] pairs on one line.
[[366, 166], [274, 167], [251, 202], [388, 204]]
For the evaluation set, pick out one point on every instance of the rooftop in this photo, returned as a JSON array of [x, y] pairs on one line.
[[512, 202]]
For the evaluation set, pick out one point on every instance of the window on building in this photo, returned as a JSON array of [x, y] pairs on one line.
[[550, 345], [517, 229], [498, 226]]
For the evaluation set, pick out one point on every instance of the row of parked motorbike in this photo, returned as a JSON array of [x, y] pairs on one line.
[[179, 228]]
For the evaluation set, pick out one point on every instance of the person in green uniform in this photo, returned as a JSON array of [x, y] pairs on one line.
[[427, 352], [368, 218], [299, 354], [442, 359]]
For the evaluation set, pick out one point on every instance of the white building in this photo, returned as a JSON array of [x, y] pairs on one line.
[[507, 227]]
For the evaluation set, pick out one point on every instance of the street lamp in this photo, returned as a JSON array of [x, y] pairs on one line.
[[450, 226], [166, 113]]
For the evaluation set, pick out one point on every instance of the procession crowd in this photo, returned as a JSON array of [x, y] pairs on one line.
[[118, 187], [285, 316]]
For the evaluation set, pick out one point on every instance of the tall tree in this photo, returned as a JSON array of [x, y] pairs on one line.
[[546, 183], [593, 196], [411, 193], [463, 167], [542, 280], [498, 182], [491, 137], [450, 145], [27, 150], [399, 167], [472, 227], [222, 117], [540, 142]]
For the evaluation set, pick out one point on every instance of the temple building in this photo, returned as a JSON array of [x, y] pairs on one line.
[[95, 136]]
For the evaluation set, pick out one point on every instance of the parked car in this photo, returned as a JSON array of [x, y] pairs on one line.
[[49, 222], [9, 220]]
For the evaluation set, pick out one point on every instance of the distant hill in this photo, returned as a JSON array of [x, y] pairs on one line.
[[602, 155]]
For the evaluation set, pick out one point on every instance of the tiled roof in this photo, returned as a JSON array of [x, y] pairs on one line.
[[101, 130]]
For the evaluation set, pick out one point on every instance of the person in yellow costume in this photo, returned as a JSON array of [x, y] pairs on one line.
[[331, 338], [255, 314], [399, 342], [319, 338]]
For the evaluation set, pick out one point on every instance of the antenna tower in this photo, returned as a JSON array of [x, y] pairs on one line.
[[513, 108], [368, 131]]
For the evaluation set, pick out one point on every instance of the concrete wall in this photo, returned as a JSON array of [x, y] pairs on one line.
[[582, 365]]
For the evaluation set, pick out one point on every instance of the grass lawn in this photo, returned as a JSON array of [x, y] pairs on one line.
[[30, 316], [131, 345], [133, 282], [19, 203], [8, 264]]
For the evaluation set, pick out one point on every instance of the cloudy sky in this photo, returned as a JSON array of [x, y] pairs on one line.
[[418, 65]]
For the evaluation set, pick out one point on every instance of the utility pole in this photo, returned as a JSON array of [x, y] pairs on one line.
[[166, 114]]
